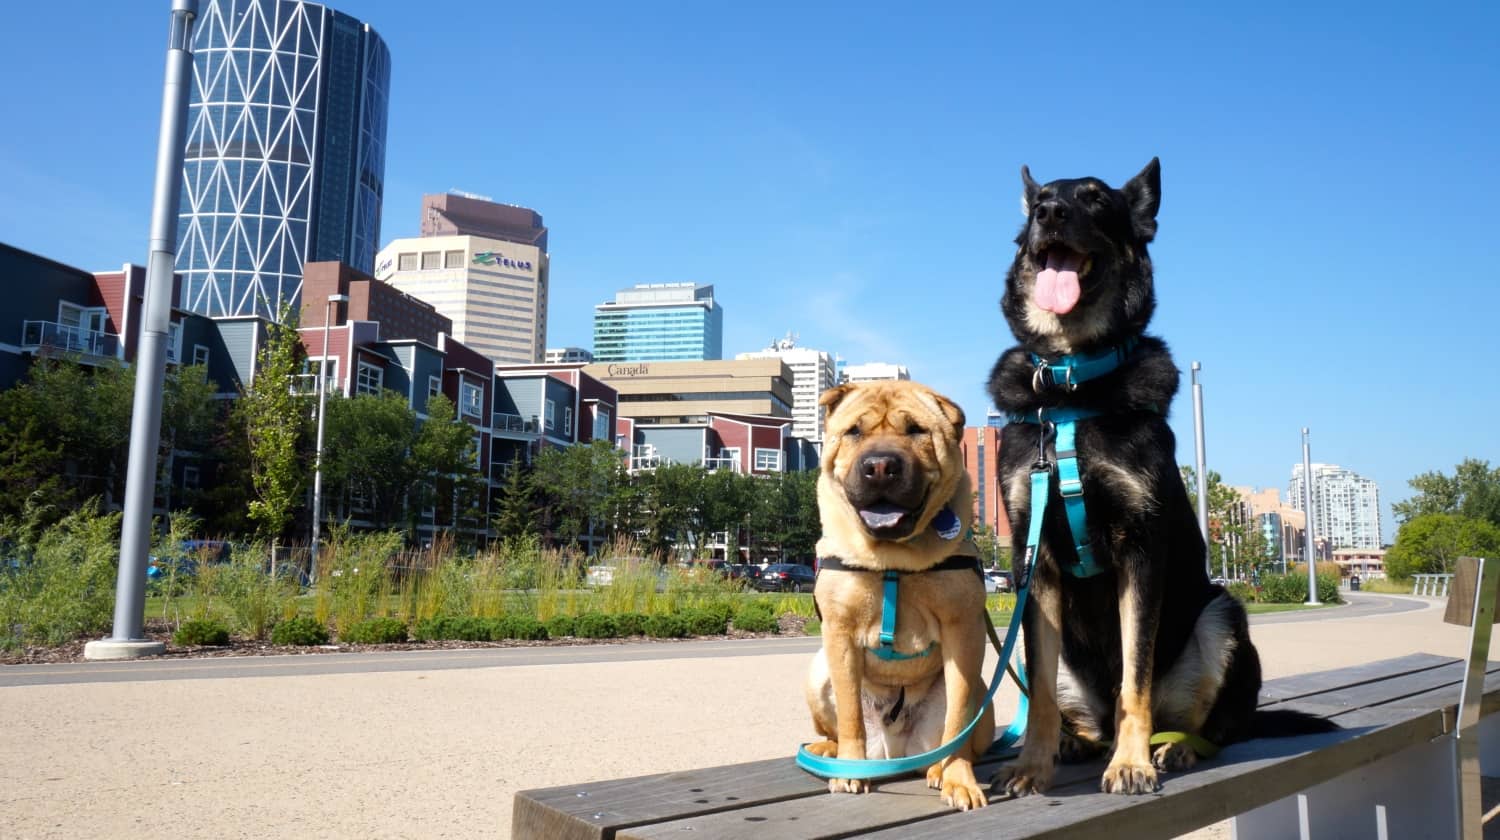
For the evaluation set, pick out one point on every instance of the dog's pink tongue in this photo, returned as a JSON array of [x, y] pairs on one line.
[[1057, 285]]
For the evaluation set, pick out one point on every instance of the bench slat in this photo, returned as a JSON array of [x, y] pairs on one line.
[[1302, 685]]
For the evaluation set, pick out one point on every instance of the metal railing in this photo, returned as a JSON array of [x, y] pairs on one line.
[[514, 423], [716, 464], [51, 335]]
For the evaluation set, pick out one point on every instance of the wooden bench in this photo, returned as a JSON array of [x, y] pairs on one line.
[[1398, 768], [1393, 763]]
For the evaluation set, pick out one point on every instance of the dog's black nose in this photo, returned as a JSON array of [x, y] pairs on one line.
[[880, 467], [1051, 212]]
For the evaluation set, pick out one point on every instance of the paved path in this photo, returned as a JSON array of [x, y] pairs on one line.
[[435, 744]]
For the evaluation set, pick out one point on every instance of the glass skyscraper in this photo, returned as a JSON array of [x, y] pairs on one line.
[[285, 158], [659, 322]]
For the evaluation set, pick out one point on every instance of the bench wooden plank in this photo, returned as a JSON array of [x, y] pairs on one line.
[[1407, 698]]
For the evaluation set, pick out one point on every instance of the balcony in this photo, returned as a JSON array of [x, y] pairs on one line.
[[51, 337], [715, 464], [514, 424]]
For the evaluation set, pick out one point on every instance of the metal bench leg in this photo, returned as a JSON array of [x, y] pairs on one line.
[[1466, 736]]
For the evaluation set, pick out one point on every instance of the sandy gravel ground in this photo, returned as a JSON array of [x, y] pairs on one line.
[[441, 753]]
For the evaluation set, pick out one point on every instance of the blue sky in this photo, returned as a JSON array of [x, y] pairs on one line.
[[849, 172]]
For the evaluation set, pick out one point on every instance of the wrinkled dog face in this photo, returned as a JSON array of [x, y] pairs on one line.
[[892, 452]]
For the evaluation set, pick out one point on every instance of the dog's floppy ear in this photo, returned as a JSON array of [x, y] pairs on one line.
[[831, 398], [950, 411], [1028, 192], [1143, 194]]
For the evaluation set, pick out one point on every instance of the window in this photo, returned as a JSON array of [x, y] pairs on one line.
[[406, 262], [568, 420], [200, 355], [369, 379], [731, 454], [551, 416], [453, 259], [434, 386], [767, 460], [601, 424], [190, 477], [471, 399], [430, 260], [314, 366]]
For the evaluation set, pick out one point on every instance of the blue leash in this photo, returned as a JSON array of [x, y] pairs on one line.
[[875, 768]]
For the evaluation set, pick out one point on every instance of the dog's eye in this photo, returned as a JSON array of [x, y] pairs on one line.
[[914, 429], [852, 432]]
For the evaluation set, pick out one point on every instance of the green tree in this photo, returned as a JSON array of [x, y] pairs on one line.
[[727, 500], [444, 462], [188, 413], [1225, 526], [515, 514], [1433, 542], [1472, 491], [367, 441], [276, 421], [788, 514], [576, 485], [672, 496]]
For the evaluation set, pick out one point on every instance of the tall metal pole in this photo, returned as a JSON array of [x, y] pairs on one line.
[[317, 510], [1307, 502], [127, 639], [1202, 468]]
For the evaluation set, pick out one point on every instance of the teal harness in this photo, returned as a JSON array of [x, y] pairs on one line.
[[892, 580]]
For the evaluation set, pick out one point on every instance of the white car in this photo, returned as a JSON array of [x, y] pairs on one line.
[[997, 580]]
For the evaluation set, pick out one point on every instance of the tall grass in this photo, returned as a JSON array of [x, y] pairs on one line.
[[356, 582], [256, 597], [63, 586]]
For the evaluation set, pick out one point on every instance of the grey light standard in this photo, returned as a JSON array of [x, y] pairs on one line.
[[1307, 502], [128, 640], [1202, 468], [317, 511]]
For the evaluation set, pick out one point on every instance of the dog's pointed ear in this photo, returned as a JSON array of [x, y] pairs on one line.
[[1028, 191], [831, 398], [1143, 193]]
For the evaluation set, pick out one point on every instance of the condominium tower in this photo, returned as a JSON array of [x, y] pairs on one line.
[[285, 156], [482, 264], [812, 374], [659, 322], [1346, 505]]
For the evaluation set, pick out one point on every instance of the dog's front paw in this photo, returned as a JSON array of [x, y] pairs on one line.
[[1023, 777], [826, 749], [959, 786], [1124, 777], [1171, 757], [849, 786], [1072, 749]]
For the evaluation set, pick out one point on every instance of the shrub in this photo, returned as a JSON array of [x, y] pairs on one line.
[[301, 630], [518, 627], [1242, 591], [449, 627], [756, 618], [375, 631], [255, 597], [593, 625], [200, 632], [631, 624], [670, 626], [1292, 588], [66, 587], [705, 622], [560, 625]]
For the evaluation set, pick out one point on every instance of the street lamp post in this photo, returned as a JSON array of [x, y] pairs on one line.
[[1307, 503], [317, 511], [1201, 462]]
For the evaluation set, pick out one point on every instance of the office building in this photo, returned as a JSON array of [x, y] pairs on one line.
[[567, 356], [285, 153], [494, 290], [981, 452], [659, 322], [812, 374], [686, 392], [466, 214], [873, 372], [1346, 505]]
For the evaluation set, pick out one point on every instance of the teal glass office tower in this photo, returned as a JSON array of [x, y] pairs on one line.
[[660, 322], [285, 158]]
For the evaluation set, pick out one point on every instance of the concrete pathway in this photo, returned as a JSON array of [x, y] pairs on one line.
[[436, 744]]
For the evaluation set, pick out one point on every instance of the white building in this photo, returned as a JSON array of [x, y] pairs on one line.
[[1346, 505], [873, 372], [568, 355], [495, 291], [812, 374]]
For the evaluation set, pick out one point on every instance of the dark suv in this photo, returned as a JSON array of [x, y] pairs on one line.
[[786, 577]]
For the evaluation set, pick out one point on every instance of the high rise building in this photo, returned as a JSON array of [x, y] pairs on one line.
[[812, 374], [567, 355], [981, 451], [1346, 505], [873, 372], [659, 322], [494, 290], [285, 156], [466, 214]]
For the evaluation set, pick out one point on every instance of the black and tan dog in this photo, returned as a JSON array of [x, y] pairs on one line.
[[1147, 644], [893, 494]]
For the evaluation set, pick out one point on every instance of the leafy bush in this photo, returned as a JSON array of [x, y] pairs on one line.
[[65, 589], [201, 632], [756, 617], [705, 622], [560, 625], [1242, 591], [631, 624], [448, 627], [670, 626], [375, 631], [301, 630], [1291, 588], [255, 597], [518, 627], [593, 625]]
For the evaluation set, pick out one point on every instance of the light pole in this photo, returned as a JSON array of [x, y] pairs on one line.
[[127, 639], [1307, 502], [317, 511], [1202, 467]]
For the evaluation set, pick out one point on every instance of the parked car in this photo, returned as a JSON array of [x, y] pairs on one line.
[[786, 577], [745, 573], [998, 580]]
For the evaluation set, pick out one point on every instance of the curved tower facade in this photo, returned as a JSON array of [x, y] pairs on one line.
[[285, 159]]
